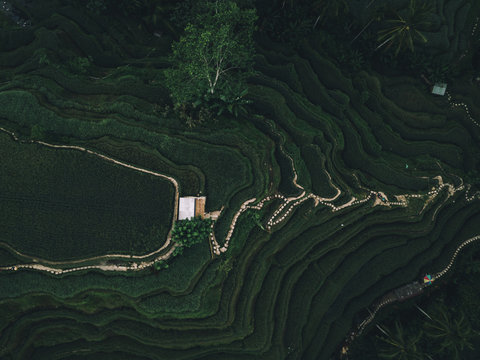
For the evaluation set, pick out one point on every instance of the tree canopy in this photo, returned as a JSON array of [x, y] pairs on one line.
[[213, 58], [402, 31], [192, 231]]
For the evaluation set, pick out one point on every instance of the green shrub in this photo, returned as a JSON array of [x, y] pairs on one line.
[[159, 265], [192, 231]]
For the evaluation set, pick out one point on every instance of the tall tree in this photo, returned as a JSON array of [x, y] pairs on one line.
[[402, 31], [214, 57]]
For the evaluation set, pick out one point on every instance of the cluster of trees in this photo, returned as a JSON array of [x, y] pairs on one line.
[[214, 57], [186, 233], [212, 61], [214, 53], [192, 231]]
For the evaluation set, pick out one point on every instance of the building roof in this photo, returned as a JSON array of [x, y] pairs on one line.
[[200, 206], [186, 208], [439, 89]]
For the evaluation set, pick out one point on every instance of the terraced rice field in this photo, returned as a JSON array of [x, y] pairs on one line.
[[61, 205], [322, 144]]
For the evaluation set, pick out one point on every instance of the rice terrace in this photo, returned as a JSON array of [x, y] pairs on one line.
[[239, 179]]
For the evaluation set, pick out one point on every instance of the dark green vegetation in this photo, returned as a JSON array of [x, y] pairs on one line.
[[211, 62], [335, 107], [450, 329], [403, 31], [188, 232], [62, 205]]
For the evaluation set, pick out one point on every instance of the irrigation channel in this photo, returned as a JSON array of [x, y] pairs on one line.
[[136, 263], [400, 294]]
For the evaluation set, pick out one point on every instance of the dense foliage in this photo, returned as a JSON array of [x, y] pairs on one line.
[[192, 231], [213, 59]]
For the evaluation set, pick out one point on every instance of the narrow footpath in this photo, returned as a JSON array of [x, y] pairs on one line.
[[140, 262]]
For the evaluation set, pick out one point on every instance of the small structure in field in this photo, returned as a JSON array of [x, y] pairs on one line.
[[439, 89], [191, 206]]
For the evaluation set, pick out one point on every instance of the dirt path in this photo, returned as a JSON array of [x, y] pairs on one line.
[[287, 206], [104, 267], [101, 258], [290, 203]]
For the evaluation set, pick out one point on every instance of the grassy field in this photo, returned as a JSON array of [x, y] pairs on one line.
[[64, 204], [292, 293]]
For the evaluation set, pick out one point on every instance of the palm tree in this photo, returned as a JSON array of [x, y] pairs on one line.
[[454, 334], [399, 346], [402, 31]]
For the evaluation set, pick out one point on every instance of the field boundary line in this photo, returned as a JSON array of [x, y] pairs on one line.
[[117, 162]]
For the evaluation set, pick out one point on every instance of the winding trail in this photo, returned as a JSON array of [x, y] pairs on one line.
[[449, 96], [290, 203], [461, 105], [140, 262], [454, 256]]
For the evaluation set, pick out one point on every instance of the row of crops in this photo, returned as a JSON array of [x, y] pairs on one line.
[[293, 293], [62, 205]]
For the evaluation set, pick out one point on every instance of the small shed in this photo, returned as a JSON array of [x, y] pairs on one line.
[[439, 89], [191, 206]]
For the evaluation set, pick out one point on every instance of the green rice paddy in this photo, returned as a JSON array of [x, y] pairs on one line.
[[62, 205], [293, 292]]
